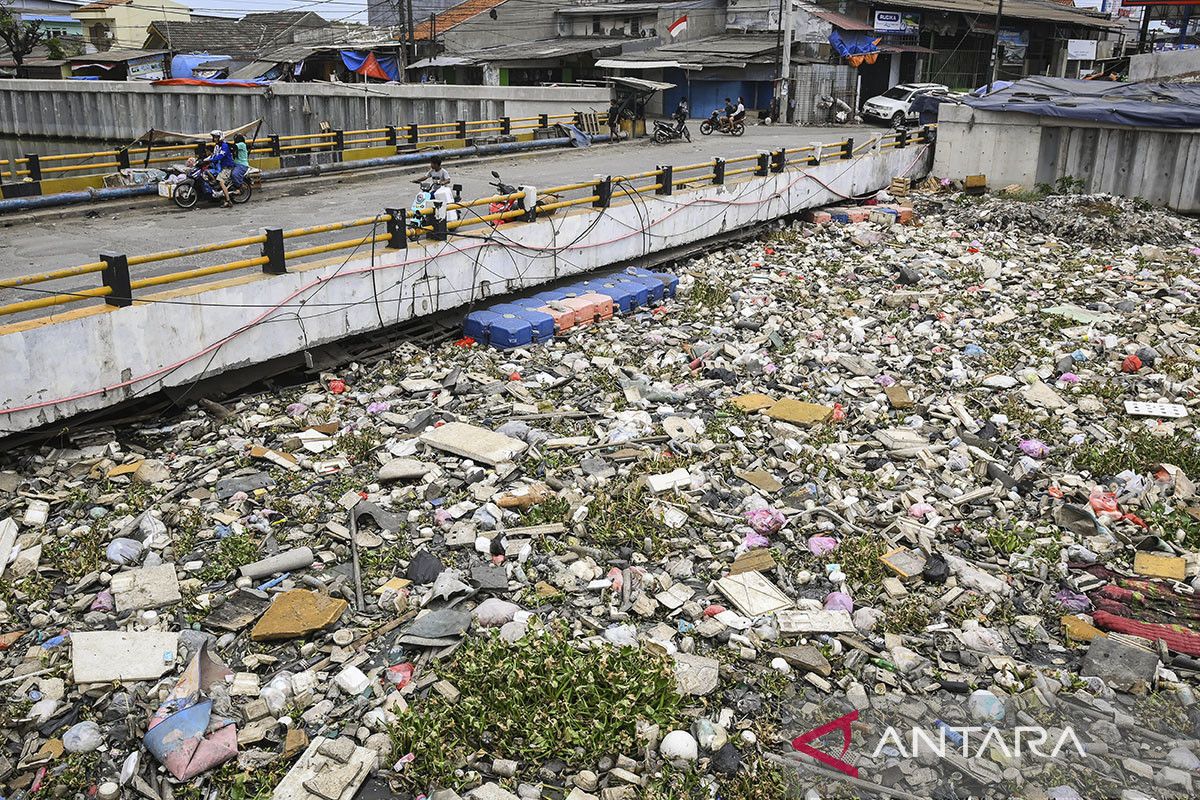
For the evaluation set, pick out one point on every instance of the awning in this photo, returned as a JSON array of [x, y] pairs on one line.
[[616, 63], [884, 47], [641, 83], [440, 61], [842, 21]]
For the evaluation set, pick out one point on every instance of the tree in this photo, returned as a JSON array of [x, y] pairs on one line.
[[19, 36]]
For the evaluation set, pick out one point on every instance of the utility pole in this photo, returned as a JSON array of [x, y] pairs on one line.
[[996, 48], [785, 58], [1144, 33], [412, 32]]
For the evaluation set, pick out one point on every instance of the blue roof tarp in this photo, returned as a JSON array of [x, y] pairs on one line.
[[1147, 104], [184, 66]]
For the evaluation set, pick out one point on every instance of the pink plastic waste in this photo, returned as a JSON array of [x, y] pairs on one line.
[[822, 545], [765, 520], [1034, 448], [839, 601], [920, 510]]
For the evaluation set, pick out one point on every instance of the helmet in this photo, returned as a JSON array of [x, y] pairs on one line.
[[217, 134]]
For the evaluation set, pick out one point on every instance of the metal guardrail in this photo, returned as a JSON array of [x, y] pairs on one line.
[[35, 167], [118, 284]]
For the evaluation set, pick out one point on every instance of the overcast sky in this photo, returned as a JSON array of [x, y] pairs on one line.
[[349, 10]]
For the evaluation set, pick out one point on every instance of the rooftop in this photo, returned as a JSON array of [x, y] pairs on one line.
[[455, 15]]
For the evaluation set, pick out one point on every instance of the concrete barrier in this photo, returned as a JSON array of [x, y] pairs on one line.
[[1160, 166], [96, 357], [1172, 64], [123, 111]]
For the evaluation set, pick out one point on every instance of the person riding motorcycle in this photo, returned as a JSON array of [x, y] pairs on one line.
[[439, 175], [222, 163]]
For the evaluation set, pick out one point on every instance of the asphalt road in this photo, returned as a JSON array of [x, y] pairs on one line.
[[40, 242]]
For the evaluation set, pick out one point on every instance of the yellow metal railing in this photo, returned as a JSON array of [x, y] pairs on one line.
[[395, 229], [36, 167]]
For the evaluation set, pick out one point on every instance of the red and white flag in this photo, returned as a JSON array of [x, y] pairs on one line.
[[678, 26]]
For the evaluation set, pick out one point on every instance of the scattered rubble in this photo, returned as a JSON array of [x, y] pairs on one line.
[[936, 474]]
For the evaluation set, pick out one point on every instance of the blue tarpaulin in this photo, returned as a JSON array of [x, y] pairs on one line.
[[184, 66], [366, 62], [847, 43], [1146, 104]]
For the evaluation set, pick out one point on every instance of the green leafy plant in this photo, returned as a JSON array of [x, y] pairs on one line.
[[540, 698]]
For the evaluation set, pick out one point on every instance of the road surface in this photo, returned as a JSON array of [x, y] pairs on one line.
[[38, 243]]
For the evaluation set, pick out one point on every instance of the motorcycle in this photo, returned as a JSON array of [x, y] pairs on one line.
[[717, 122], [512, 204], [199, 181], [434, 196], [668, 131]]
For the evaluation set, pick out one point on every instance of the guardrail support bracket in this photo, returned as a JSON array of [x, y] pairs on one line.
[[666, 177], [603, 191], [396, 228], [779, 160], [848, 150], [273, 252], [116, 277], [764, 164], [718, 171]]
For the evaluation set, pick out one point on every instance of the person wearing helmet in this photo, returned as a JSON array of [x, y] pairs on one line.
[[222, 163]]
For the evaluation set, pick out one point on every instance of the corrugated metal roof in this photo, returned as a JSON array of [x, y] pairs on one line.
[[842, 21], [543, 48], [1019, 9]]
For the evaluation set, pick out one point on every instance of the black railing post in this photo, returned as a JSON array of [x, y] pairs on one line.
[[902, 137], [779, 160], [276, 147], [123, 158], [414, 135], [440, 231], [462, 128], [718, 171], [666, 179], [814, 158], [848, 150], [339, 142], [116, 277], [929, 134], [603, 192], [505, 126], [764, 164], [392, 138], [396, 228], [34, 164], [273, 251], [543, 120]]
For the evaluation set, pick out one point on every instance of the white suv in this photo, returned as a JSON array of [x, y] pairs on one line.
[[893, 105]]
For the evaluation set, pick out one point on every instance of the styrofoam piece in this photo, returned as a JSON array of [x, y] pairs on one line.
[[1159, 410]]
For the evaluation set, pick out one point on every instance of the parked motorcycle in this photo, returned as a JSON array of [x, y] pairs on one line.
[[512, 203], [199, 181], [717, 122], [669, 131]]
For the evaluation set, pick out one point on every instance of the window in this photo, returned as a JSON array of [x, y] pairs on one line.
[[596, 26], [896, 93]]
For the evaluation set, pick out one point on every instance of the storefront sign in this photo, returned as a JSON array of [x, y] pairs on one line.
[[146, 69], [906, 22], [1081, 49]]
